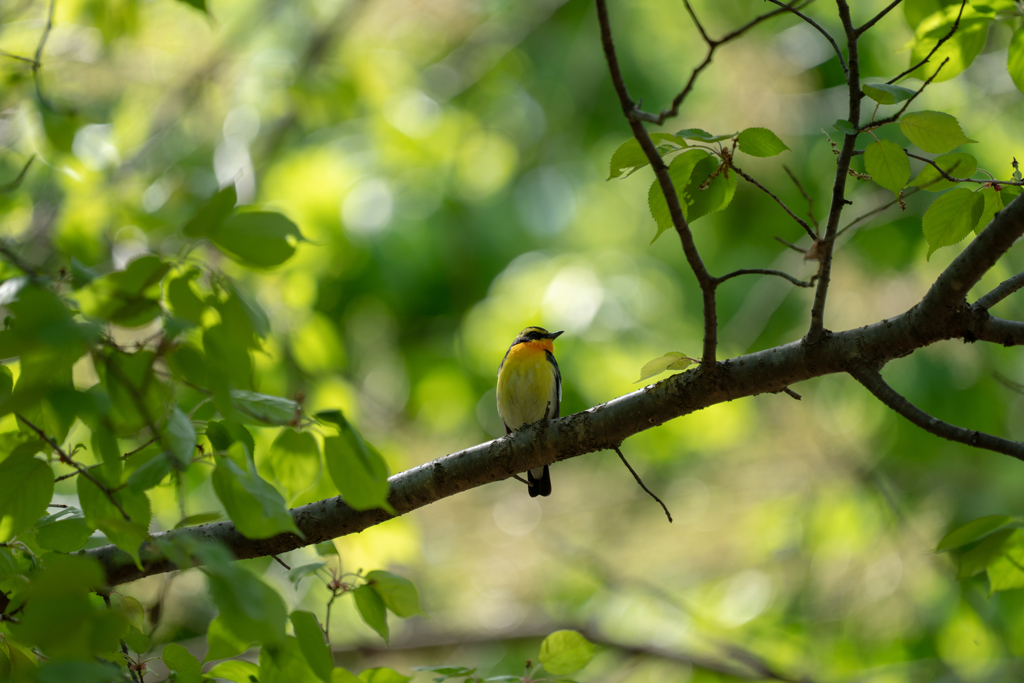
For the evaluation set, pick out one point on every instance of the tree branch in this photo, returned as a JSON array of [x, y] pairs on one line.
[[819, 29], [764, 271], [875, 19], [673, 111], [1005, 289], [605, 426], [943, 39], [817, 327], [749, 179], [704, 279], [874, 383]]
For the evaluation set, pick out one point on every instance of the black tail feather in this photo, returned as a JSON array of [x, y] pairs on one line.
[[539, 487]]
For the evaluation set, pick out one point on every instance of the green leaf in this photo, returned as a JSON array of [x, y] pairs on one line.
[[64, 531], [286, 664], [138, 641], [760, 142], [326, 548], [933, 131], [104, 443], [178, 659], [260, 239], [340, 675], [77, 672], [129, 297], [688, 171], [371, 609], [1015, 58], [181, 438], [993, 204], [184, 302], [702, 135], [311, 641], [358, 471], [951, 218], [255, 507], [382, 675], [887, 94], [960, 49], [150, 473], [201, 518], [399, 594], [26, 487], [564, 652], [297, 574], [294, 459], [222, 643], [1006, 572], [630, 157], [977, 560], [262, 409], [972, 531], [845, 127], [226, 432], [250, 610], [887, 164], [956, 164], [213, 214], [101, 514], [673, 360], [447, 671], [201, 6], [235, 670]]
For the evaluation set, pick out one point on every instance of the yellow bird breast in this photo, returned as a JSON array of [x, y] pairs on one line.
[[526, 387]]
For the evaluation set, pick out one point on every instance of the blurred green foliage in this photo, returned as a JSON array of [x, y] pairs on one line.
[[268, 252]]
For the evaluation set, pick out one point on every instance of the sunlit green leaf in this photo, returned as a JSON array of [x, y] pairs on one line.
[[630, 156], [263, 409], [887, 94], [102, 514], [679, 171], [181, 437], [297, 574], [235, 670], [977, 559], [564, 652], [760, 142], [952, 217], [26, 486], [702, 135], [673, 360], [181, 661], [887, 164], [261, 239], [933, 131], [371, 609], [399, 594], [64, 531], [358, 471], [295, 461], [221, 641], [955, 164], [311, 641], [972, 531], [382, 675], [1015, 58], [256, 508]]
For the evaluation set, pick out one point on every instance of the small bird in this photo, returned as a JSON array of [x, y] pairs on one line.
[[530, 390]]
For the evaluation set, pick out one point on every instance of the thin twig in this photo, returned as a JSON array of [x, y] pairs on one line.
[[807, 197], [947, 176], [639, 114], [39, 56], [764, 271], [895, 117], [874, 20], [281, 562], [871, 213], [792, 393], [66, 459], [640, 481], [516, 476], [16, 183], [704, 278], [749, 179], [874, 383], [791, 245], [819, 29], [27, 60], [92, 467], [1005, 289], [825, 246], [952, 30]]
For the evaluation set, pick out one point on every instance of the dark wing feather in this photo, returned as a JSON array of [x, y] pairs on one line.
[[558, 384]]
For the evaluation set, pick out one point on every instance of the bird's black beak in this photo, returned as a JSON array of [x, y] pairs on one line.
[[552, 335]]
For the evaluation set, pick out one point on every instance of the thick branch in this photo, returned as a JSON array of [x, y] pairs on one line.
[[874, 383]]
